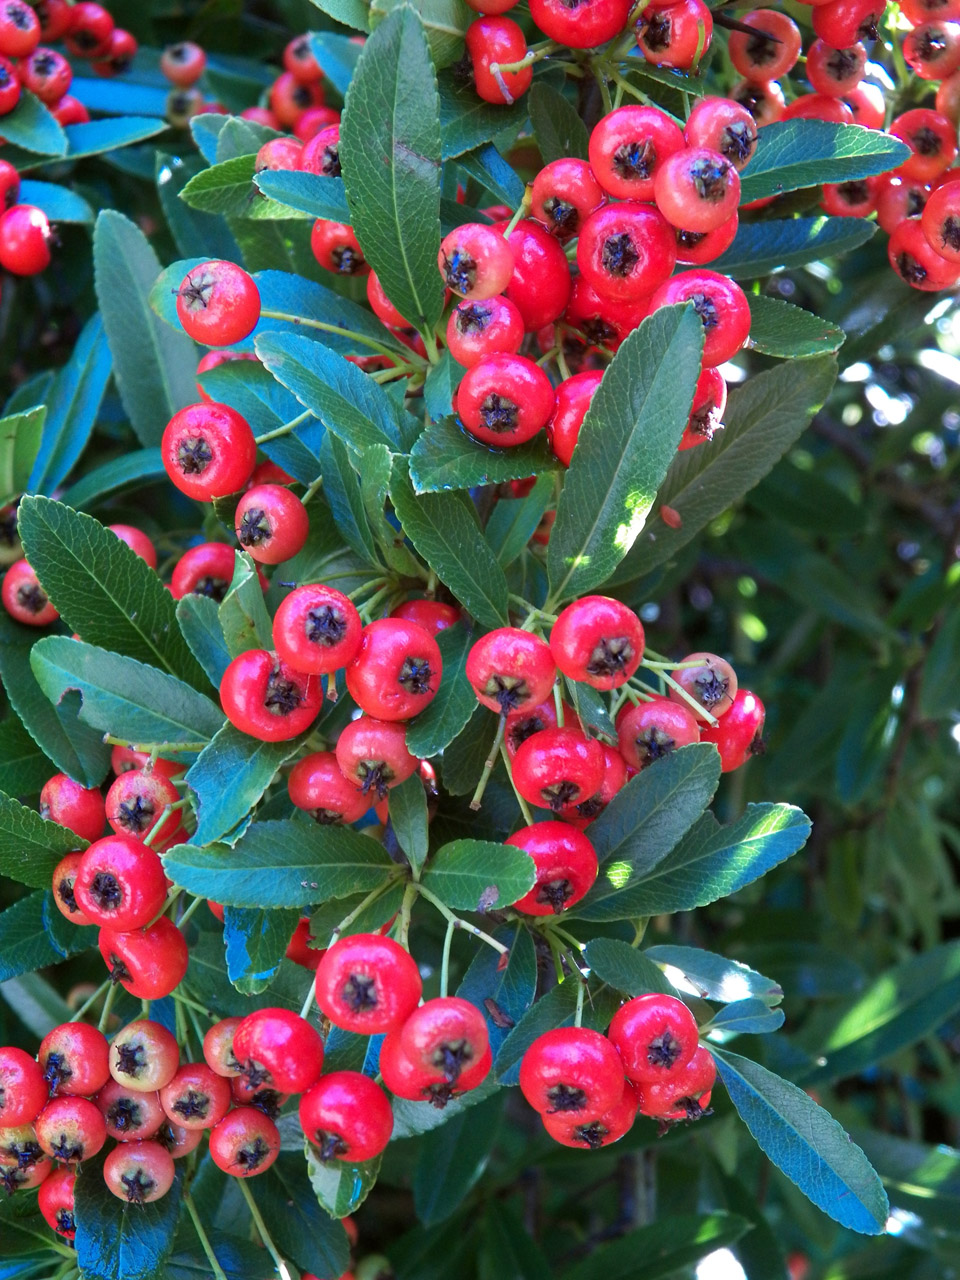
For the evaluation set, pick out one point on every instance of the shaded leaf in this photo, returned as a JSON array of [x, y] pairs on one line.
[[30, 846], [446, 457], [792, 154], [255, 942], [559, 130], [762, 247], [119, 1241], [440, 722], [73, 403], [479, 875], [780, 329]]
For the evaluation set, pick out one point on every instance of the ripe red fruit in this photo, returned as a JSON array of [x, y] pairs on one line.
[[337, 249], [677, 35], [818, 106], [46, 73], [721, 305], [245, 1143], [916, 262], [491, 41], [771, 51], [271, 523], [290, 98], [479, 329], [19, 29], [573, 1071], [835, 71], [208, 451], [70, 1129], [317, 786], [526, 722], [655, 1035], [651, 730], [510, 670], [73, 1059], [584, 26], [9, 177], [62, 883], [868, 105], [313, 121], [570, 1131], [218, 303], [373, 755], [120, 883], [9, 97], [148, 963], [137, 541], [433, 615], [23, 1090], [368, 984], [139, 1172], [204, 570], [540, 284], [55, 1202], [406, 1079], [143, 1056], [706, 412], [80, 809], [90, 30], [317, 630], [263, 697], [396, 671], [136, 802], [603, 321], [279, 1049], [940, 221], [346, 1117], [697, 189], [573, 398], [566, 865], [475, 261], [300, 60], [24, 240], [712, 684], [130, 1115], [598, 641], [628, 147], [56, 18], [196, 1097], [563, 193], [900, 198], [738, 734], [685, 1095], [183, 64], [24, 598], [725, 126], [321, 154], [697, 248], [558, 768], [505, 400], [932, 139], [447, 1035], [841, 23], [278, 154], [614, 777], [118, 55], [626, 250], [267, 1101], [764, 101]]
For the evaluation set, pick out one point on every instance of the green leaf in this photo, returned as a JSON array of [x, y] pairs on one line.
[[507, 1249], [119, 1241], [300, 1228], [764, 418], [446, 457], [20, 435], [255, 942], [413, 1118], [667, 1247], [941, 670], [750, 1017], [199, 621], [643, 822], [305, 193], [479, 875], [27, 936], [903, 1006], [103, 591], [444, 529], [466, 121], [228, 188], [337, 54], [346, 401], [229, 777], [762, 247], [780, 329], [924, 1179], [408, 817], [97, 136], [592, 712], [327, 917], [390, 153], [341, 488], [440, 722], [558, 128], [628, 438], [792, 154], [715, 977], [131, 470], [288, 863], [712, 861], [31, 126], [243, 614], [352, 13], [452, 1159], [513, 522], [30, 846], [444, 21], [154, 368], [341, 1187], [375, 476], [626, 969], [503, 995], [191, 230], [464, 757], [806, 1144], [122, 696], [494, 174], [441, 382], [23, 766], [60, 204], [558, 1008], [73, 403], [39, 1007]]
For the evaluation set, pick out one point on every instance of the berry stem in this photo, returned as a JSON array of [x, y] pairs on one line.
[[409, 898], [578, 1016], [308, 1003], [285, 429], [445, 961], [524, 807], [189, 911], [92, 1000], [362, 590], [271, 1248], [558, 705], [527, 200], [188, 1003], [456, 923], [165, 813], [413, 361], [673, 666], [149, 748], [691, 701], [107, 1006], [312, 490], [489, 763], [367, 901], [205, 1245]]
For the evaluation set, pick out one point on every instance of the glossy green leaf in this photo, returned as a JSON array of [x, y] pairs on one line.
[[507, 1248], [390, 153], [466, 121], [464, 757], [229, 777], [39, 1007], [494, 173], [452, 1159], [513, 524], [300, 1228], [924, 1179], [444, 21], [31, 126], [376, 474], [191, 229], [715, 977], [806, 1144], [337, 53], [154, 368], [792, 154], [592, 712], [408, 817], [104, 591], [446, 457], [23, 766], [287, 863], [27, 940], [330, 915], [763, 419], [30, 846], [341, 488], [443, 527], [558, 1008], [243, 614], [781, 329], [627, 440], [440, 722], [749, 1017], [122, 696], [763, 247], [643, 823], [60, 204], [502, 994], [559, 130], [667, 1247], [199, 622], [340, 1186], [479, 875], [941, 670], [117, 1241], [625, 968], [98, 136], [73, 403], [20, 435], [131, 470], [255, 942], [228, 188], [305, 193]]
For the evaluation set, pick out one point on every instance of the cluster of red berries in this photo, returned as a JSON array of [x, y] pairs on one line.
[[589, 1088]]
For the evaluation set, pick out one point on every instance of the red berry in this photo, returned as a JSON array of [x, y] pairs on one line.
[[120, 882], [245, 1143], [900, 198], [55, 1202], [46, 73], [23, 1090], [490, 42], [505, 400], [368, 984], [723, 125], [446, 1035], [626, 250], [566, 866], [855, 199], [78, 808], [208, 451], [183, 64], [204, 570], [317, 630], [24, 240], [841, 23], [475, 261], [73, 1059], [835, 71], [583, 26], [382, 307], [19, 29], [267, 1101], [90, 30], [263, 697], [300, 60], [279, 1049], [651, 730], [130, 1115], [598, 641], [136, 802], [523, 724], [628, 147], [321, 154], [373, 755], [868, 105], [712, 684], [697, 189], [279, 154], [337, 249], [737, 735], [479, 329], [540, 285], [600, 319], [940, 221], [346, 1117], [706, 412], [677, 35], [764, 101], [218, 1048], [685, 1095], [573, 1071], [655, 1035], [313, 121], [62, 884], [573, 399], [148, 963], [299, 949], [396, 671], [317, 786], [770, 52], [697, 248], [510, 670], [9, 97], [614, 777], [137, 541], [271, 523], [9, 177], [24, 598], [70, 1129], [56, 18], [818, 106], [570, 1131], [563, 193], [218, 303], [557, 768], [196, 1097], [721, 305], [433, 615], [139, 1172], [118, 56], [144, 1056], [916, 262]]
